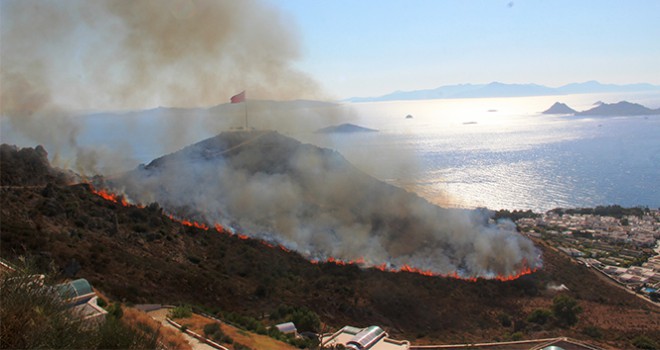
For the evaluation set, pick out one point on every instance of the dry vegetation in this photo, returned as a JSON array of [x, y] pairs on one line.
[[140, 256], [197, 322], [169, 337]]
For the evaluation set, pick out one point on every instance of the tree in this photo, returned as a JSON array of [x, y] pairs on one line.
[[539, 316], [566, 310]]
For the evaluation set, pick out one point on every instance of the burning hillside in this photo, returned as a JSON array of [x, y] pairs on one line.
[[311, 200]]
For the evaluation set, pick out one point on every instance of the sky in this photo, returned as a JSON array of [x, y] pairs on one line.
[[108, 55], [370, 48]]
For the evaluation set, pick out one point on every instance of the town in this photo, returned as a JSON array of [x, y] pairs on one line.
[[620, 243]]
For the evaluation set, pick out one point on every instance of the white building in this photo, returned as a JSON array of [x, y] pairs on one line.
[[370, 338]]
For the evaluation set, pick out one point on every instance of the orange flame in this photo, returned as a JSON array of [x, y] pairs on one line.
[[525, 270], [109, 196]]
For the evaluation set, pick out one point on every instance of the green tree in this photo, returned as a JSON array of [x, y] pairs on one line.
[[539, 316], [566, 310]]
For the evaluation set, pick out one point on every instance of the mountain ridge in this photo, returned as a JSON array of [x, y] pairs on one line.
[[498, 89]]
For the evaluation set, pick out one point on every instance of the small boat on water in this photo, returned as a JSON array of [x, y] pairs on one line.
[[409, 116]]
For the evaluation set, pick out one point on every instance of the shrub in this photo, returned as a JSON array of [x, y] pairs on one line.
[[504, 319], [102, 303], [239, 346], [539, 316], [566, 310], [304, 318], [115, 310], [516, 336], [593, 332], [642, 342], [211, 329], [183, 311]]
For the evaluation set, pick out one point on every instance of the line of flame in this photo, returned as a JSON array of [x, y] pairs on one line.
[[119, 199]]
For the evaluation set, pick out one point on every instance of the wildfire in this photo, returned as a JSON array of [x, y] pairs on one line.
[[525, 270], [109, 196]]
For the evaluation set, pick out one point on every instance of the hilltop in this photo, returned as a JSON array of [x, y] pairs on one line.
[[140, 255], [559, 108]]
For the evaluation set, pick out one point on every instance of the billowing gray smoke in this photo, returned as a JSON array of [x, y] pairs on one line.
[[64, 57], [313, 201]]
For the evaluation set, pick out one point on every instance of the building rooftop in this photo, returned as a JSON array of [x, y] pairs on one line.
[[369, 338]]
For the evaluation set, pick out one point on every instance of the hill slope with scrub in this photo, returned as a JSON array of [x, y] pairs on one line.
[[140, 255]]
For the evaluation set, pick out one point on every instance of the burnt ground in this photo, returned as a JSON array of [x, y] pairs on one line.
[[139, 255]]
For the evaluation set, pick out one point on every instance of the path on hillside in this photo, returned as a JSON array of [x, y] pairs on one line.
[[160, 315]]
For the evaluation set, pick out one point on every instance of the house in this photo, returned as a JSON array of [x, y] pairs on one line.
[[82, 300], [369, 338], [287, 328]]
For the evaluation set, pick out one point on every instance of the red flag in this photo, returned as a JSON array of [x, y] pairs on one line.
[[238, 98]]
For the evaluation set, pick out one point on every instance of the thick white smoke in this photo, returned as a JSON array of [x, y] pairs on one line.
[[313, 201]]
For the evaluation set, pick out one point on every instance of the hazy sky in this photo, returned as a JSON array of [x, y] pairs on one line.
[[366, 48], [84, 54]]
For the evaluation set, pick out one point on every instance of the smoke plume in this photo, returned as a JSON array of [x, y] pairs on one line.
[[63, 57]]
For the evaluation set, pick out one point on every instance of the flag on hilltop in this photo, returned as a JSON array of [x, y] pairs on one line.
[[238, 98]]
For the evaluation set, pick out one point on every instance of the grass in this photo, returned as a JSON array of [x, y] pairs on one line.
[[197, 322]]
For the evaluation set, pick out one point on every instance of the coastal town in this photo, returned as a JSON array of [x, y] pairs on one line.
[[621, 244]]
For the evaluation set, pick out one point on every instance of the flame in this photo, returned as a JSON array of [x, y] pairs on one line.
[[525, 269], [109, 196]]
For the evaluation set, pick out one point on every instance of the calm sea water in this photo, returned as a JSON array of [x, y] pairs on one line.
[[502, 153]]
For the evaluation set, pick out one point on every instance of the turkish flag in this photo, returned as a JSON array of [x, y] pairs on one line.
[[238, 98]]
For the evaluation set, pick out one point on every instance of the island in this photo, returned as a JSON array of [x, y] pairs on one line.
[[623, 108], [619, 109], [344, 129], [559, 108]]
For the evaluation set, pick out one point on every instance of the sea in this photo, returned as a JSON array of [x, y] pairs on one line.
[[502, 153], [498, 153]]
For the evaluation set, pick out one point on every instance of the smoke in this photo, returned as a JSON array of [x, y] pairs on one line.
[[311, 200], [63, 57]]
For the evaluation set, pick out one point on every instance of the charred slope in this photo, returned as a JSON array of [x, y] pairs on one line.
[[139, 255], [313, 201]]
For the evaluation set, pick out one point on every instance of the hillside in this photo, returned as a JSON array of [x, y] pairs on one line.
[[313, 201], [140, 255]]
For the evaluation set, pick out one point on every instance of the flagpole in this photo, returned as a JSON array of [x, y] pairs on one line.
[[246, 120]]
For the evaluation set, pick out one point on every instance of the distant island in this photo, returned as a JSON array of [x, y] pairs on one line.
[[497, 89], [623, 108], [344, 129], [559, 108]]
